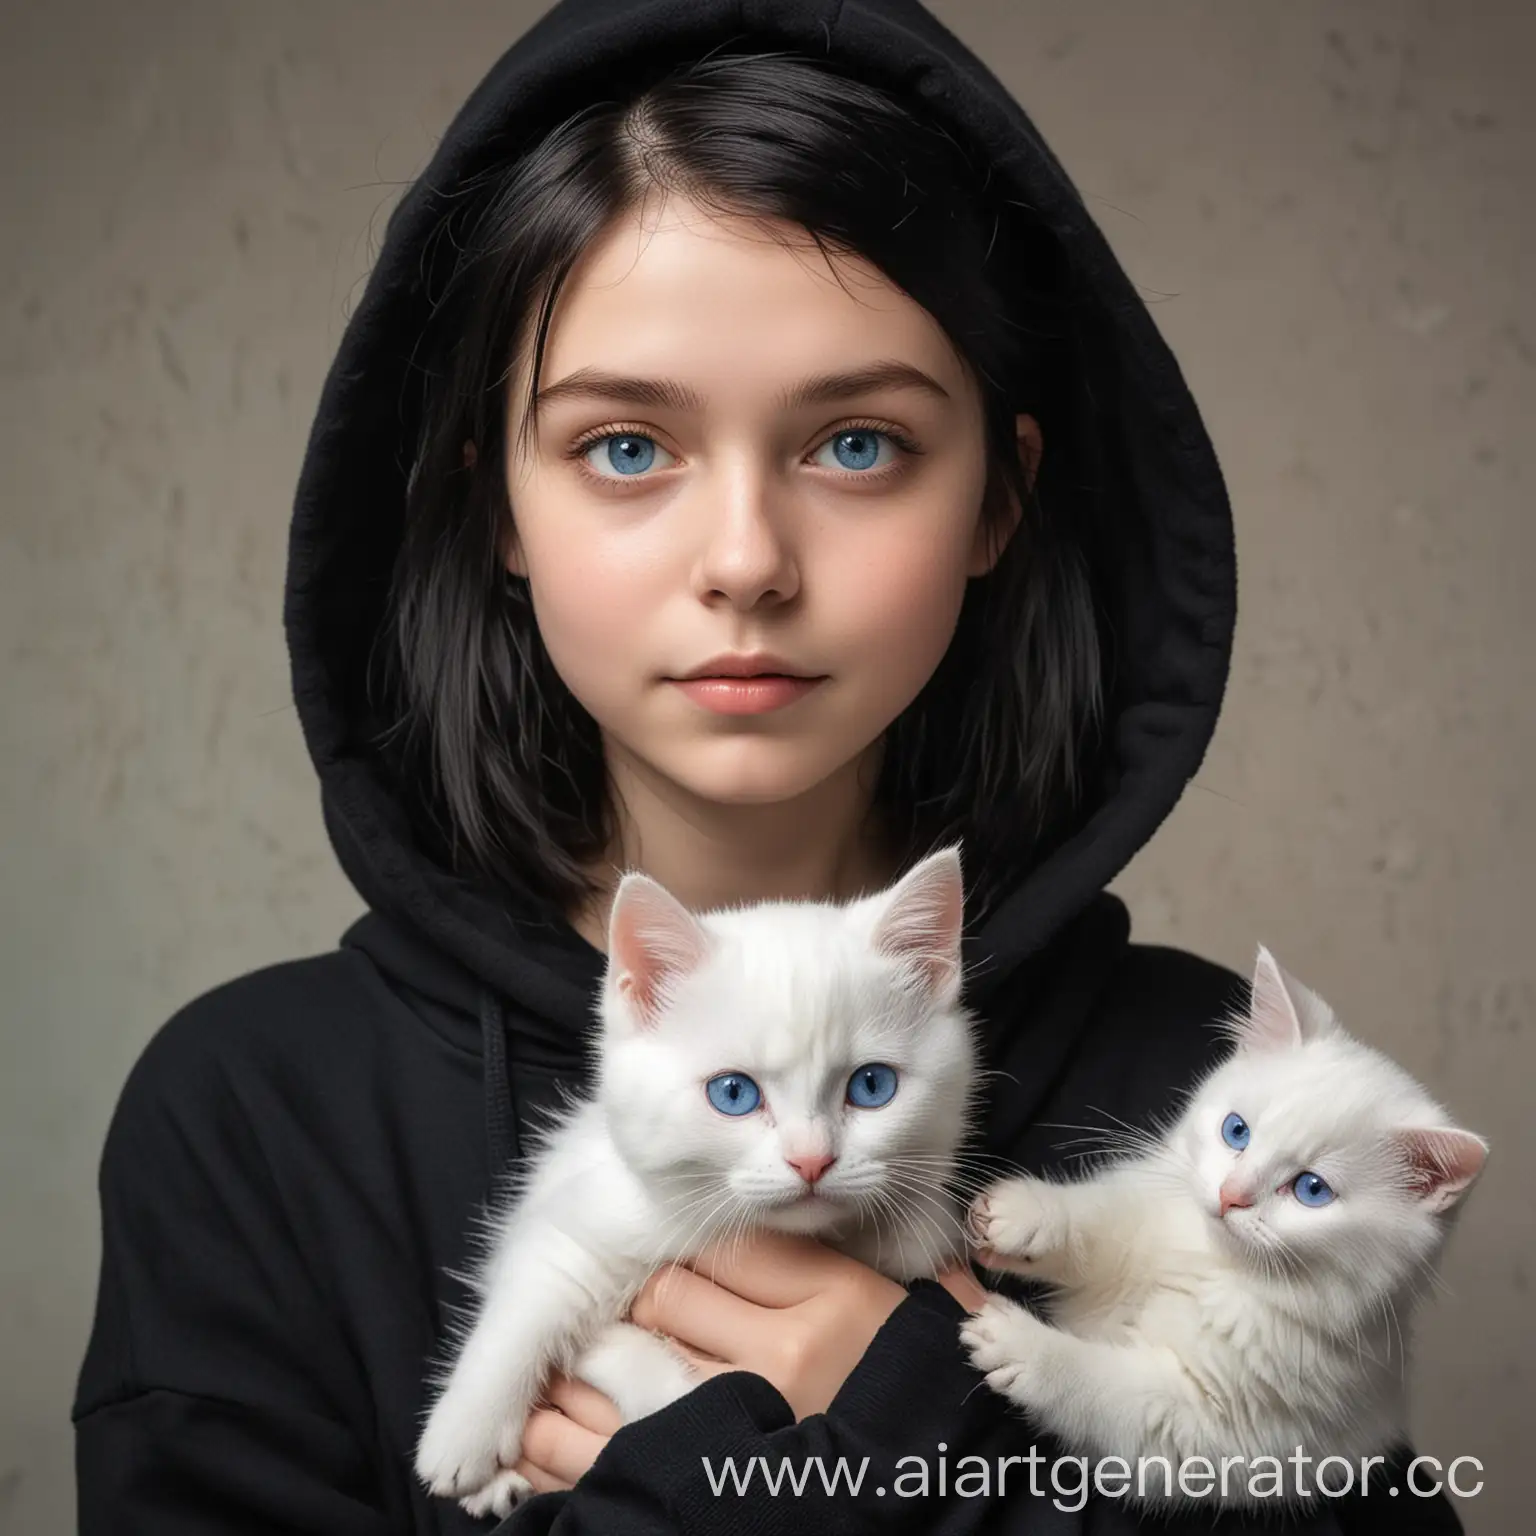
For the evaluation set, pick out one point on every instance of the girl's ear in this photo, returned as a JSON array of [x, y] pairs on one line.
[[991, 541], [922, 922], [1027, 431], [511, 547], [653, 942], [512, 552]]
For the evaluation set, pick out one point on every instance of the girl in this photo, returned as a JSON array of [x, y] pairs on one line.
[[718, 340]]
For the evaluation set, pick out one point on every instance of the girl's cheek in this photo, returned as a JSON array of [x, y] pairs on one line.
[[586, 621], [912, 589], [583, 571]]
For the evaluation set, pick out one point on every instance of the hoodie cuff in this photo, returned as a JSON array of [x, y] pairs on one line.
[[915, 1388], [653, 1475], [725, 1420]]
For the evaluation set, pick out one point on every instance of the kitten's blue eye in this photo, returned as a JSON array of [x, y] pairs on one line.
[[733, 1093], [1312, 1188], [1235, 1132], [872, 1085]]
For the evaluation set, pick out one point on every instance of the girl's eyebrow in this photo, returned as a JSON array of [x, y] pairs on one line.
[[669, 394]]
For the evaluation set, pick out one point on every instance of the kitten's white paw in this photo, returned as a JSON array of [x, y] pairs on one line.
[[1017, 1223], [467, 1445], [1005, 1340], [499, 1497], [637, 1369]]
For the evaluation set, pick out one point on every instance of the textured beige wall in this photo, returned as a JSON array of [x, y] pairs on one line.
[[1328, 203]]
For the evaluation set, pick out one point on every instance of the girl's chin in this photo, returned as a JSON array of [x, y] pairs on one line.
[[761, 770], [756, 789]]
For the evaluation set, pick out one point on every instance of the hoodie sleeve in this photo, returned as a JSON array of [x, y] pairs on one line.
[[210, 1398], [729, 1457], [913, 1442]]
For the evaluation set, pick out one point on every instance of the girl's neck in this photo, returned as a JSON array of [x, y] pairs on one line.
[[826, 845]]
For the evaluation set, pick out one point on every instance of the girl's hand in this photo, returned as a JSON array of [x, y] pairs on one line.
[[787, 1308], [561, 1441]]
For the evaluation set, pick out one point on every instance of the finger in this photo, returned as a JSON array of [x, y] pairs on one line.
[[559, 1446], [693, 1310], [703, 1365], [542, 1481], [964, 1287], [773, 1269], [583, 1404], [695, 1355]]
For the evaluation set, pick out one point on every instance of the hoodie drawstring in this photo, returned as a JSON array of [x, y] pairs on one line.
[[500, 1120]]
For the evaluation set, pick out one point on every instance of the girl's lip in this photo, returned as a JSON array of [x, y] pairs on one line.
[[745, 695]]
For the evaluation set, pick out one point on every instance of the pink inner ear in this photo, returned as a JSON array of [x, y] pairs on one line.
[[653, 942], [1271, 1023], [1442, 1163], [923, 924]]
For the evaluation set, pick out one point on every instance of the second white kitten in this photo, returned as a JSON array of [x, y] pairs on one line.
[[1240, 1288]]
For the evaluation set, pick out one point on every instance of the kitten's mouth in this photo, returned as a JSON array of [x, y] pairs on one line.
[[806, 1199], [1243, 1233], [810, 1212]]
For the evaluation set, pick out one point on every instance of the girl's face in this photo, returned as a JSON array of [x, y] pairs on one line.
[[692, 491]]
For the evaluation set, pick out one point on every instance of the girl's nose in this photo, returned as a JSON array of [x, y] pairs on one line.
[[746, 557]]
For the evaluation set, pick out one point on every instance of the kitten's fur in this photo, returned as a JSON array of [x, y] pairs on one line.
[[1182, 1331], [794, 995]]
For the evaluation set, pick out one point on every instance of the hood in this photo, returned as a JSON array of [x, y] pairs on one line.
[[1169, 596]]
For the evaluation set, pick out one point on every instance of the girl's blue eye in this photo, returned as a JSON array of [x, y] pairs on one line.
[[733, 1093], [628, 453], [872, 1085], [858, 448], [1235, 1132], [1312, 1189]]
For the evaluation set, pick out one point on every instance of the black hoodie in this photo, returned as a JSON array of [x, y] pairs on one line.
[[293, 1169]]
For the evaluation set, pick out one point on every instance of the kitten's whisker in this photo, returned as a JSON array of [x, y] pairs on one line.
[[931, 1194], [697, 1237]]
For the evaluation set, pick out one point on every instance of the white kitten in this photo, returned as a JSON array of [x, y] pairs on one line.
[[801, 1066], [1238, 1288]]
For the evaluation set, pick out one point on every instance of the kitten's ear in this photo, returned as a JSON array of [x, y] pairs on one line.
[[1442, 1163], [1282, 1013], [653, 942], [922, 922]]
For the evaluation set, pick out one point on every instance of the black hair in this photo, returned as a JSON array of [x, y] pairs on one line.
[[503, 767]]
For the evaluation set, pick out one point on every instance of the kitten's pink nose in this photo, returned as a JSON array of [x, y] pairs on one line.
[[810, 1168], [1231, 1197]]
